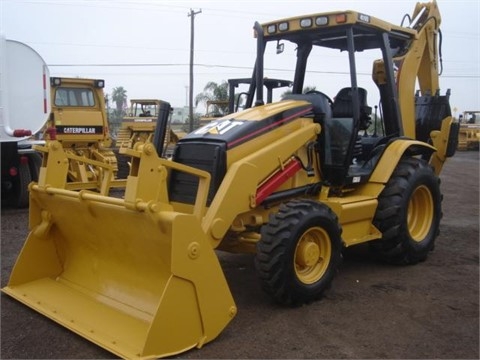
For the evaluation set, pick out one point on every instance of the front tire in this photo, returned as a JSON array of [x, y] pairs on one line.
[[299, 252], [409, 213]]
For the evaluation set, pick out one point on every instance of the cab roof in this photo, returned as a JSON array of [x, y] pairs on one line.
[[328, 30], [147, 101]]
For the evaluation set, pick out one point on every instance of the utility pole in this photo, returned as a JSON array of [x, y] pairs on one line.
[[192, 27]]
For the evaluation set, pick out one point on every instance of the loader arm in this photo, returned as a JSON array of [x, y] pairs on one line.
[[243, 178]]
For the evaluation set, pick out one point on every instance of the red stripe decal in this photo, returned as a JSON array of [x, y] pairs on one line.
[[44, 91], [255, 133]]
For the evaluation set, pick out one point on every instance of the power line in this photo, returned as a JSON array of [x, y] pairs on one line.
[[462, 76]]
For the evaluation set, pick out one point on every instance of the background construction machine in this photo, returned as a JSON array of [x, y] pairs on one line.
[[139, 127], [291, 181], [78, 121], [214, 109], [469, 134], [237, 100], [24, 109]]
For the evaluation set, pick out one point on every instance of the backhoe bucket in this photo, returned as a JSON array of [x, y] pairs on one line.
[[141, 280]]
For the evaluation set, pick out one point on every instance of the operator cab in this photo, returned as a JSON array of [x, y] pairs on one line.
[[347, 153], [337, 120]]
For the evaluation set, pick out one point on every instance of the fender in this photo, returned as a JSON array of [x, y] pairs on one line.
[[392, 155]]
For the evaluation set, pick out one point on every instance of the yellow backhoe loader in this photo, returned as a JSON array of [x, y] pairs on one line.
[[294, 182]]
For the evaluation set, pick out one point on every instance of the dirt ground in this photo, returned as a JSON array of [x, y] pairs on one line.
[[373, 310]]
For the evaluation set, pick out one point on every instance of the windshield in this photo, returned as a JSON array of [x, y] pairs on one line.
[[79, 97], [144, 110], [471, 117], [327, 70]]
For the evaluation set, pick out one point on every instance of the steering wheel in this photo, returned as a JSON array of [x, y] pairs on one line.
[[330, 101]]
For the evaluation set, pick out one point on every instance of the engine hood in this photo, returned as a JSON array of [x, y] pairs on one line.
[[237, 128]]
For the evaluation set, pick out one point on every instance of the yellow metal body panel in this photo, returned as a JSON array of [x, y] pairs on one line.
[[389, 161], [355, 214], [270, 137], [440, 142], [75, 116]]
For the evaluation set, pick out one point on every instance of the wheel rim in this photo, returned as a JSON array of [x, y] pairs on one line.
[[420, 213], [312, 255]]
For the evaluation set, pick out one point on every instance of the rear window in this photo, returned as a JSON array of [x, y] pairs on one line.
[[65, 96]]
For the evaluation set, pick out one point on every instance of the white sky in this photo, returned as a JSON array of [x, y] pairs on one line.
[[73, 32]]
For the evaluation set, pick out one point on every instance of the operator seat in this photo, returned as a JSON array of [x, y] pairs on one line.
[[343, 106], [338, 134]]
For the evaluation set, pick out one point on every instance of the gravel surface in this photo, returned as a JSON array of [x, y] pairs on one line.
[[373, 310]]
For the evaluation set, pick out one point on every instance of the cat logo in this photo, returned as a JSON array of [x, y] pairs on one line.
[[218, 127]]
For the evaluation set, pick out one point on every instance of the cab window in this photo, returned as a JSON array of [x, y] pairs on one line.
[[74, 97]]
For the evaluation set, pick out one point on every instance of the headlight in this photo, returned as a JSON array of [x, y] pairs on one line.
[[306, 23], [321, 20], [271, 29], [283, 26], [55, 81]]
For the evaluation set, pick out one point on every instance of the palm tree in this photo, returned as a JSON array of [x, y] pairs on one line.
[[119, 97], [214, 94]]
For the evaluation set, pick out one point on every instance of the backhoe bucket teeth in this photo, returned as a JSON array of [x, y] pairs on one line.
[[140, 283]]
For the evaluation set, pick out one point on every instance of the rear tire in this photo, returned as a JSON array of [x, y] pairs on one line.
[[408, 213], [34, 162], [299, 252], [20, 186], [122, 165]]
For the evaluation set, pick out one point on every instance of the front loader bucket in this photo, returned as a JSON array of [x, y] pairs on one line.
[[142, 282]]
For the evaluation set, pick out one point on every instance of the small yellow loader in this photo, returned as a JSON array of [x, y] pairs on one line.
[[78, 121], [139, 126], [469, 134]]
